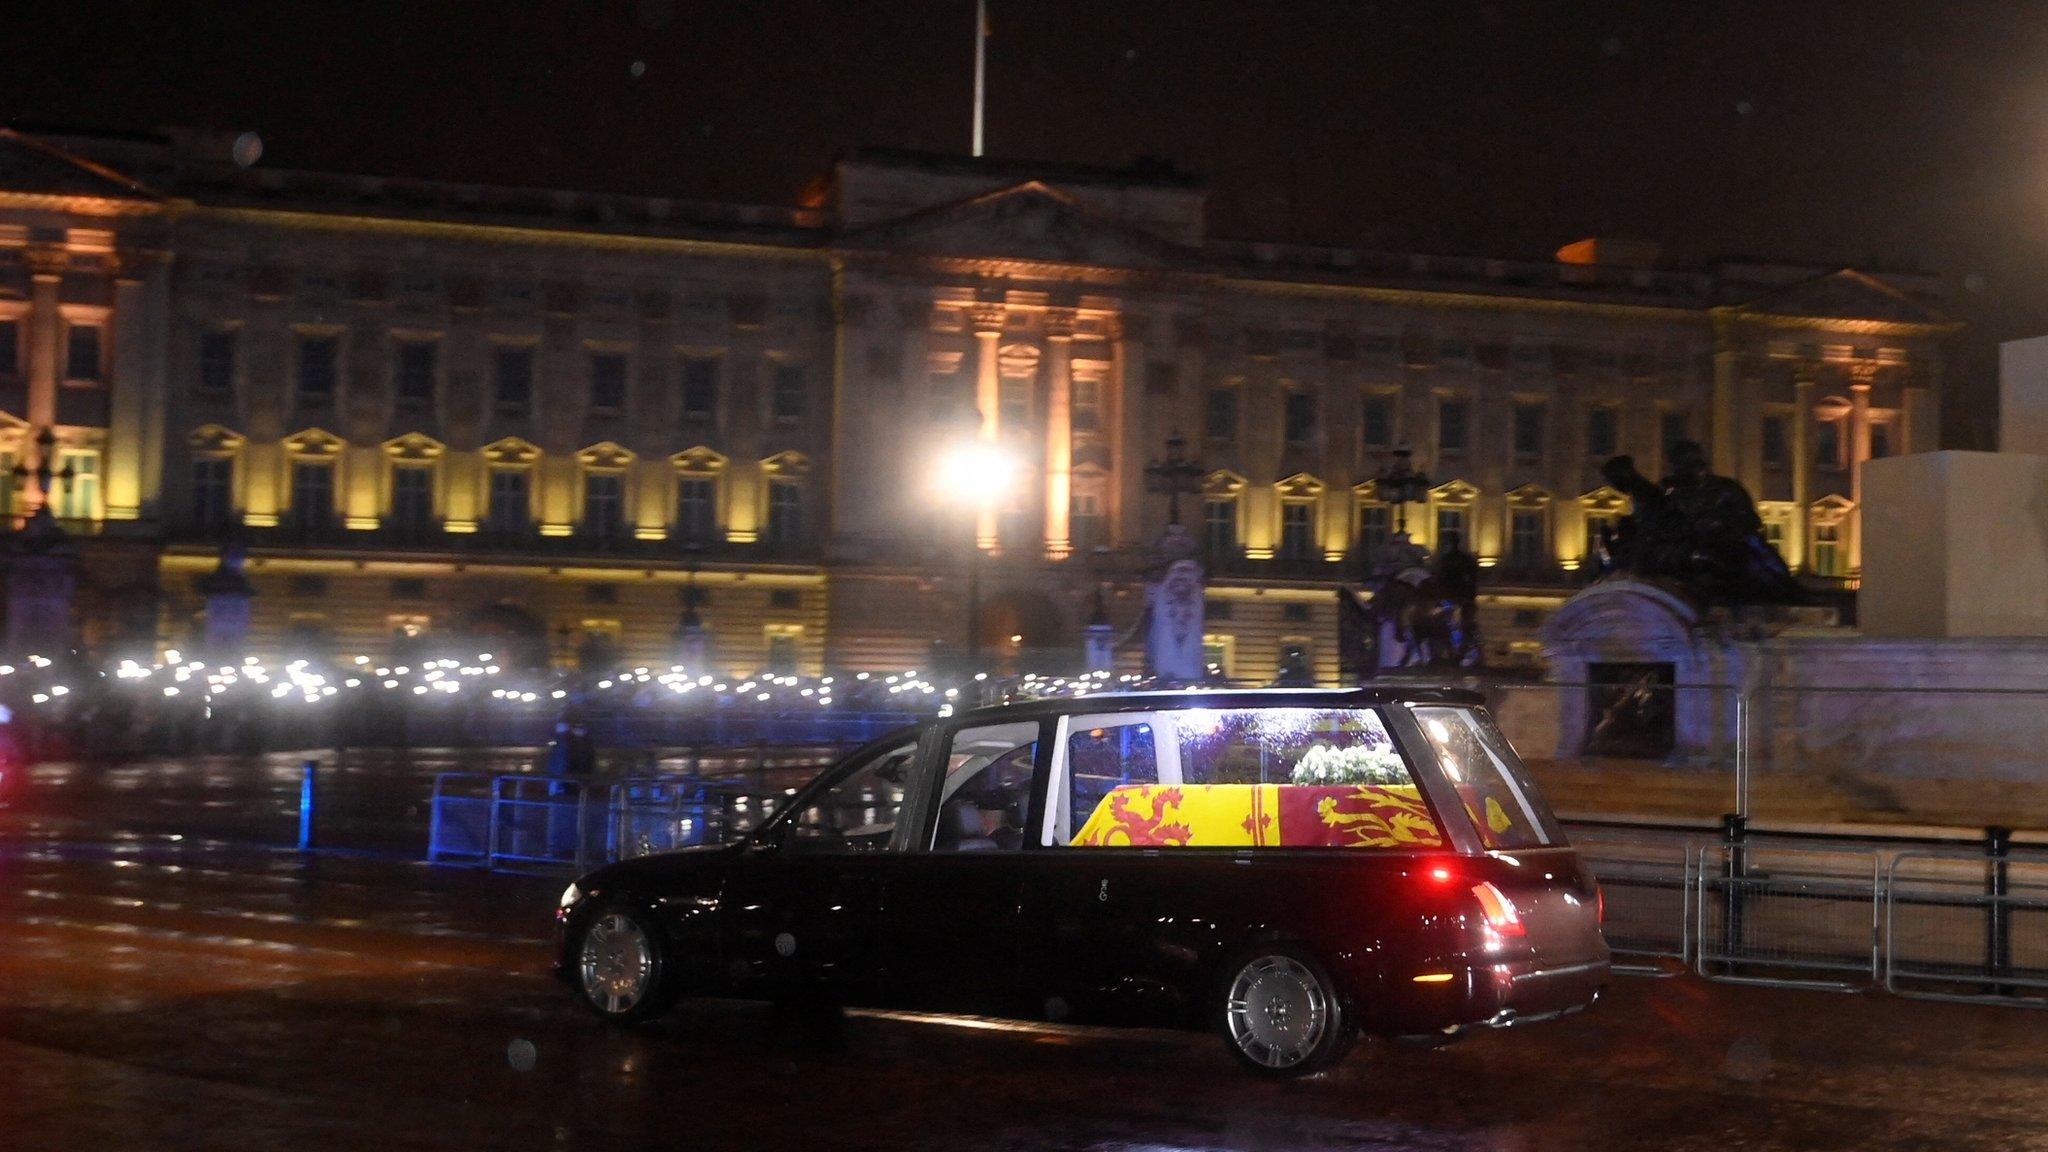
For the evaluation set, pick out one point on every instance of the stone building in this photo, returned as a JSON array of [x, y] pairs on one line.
[[561, 419]]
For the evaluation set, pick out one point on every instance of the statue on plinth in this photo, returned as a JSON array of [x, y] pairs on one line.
[[1696, 531], [1173, 607], [1422, 614], [227, 591]]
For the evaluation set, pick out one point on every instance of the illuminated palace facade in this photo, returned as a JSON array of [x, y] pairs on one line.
[[447, 409]]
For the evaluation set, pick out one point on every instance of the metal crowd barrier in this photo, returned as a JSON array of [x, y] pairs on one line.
[[1969, 929], [1805, 917]]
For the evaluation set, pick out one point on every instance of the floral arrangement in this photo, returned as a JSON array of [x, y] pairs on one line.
[[1358, 764]]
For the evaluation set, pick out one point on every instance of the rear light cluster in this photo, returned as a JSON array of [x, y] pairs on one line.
[[1502, 918]]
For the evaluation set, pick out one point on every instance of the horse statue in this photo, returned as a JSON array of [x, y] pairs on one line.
[[1422, 614]]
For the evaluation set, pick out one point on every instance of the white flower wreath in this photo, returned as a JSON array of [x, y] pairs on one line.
[[1358, 764]]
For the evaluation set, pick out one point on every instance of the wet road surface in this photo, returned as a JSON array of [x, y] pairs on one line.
[[191, 994]]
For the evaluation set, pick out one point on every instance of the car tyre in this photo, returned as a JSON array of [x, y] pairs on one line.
[[1282, 1016], [622, 970]]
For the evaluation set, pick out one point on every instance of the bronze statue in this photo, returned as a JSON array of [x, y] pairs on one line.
[[1696, 530], [1421, 615]]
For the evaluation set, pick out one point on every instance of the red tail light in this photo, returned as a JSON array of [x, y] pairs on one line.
[[1499, 911], [1600, 902]]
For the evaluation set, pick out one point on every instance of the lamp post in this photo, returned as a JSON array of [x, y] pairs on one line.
[[1174, 474], [974, 474], [1402, 484], [46, 446]]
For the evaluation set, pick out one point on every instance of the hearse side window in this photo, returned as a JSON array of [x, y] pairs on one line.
[[858, 814], [1491, 782], [987, 790], [1287, 777]]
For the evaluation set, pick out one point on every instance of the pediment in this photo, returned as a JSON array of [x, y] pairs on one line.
[[1844, 295], [1029, 221]]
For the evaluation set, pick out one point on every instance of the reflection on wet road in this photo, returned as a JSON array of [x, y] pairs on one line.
[[167, 993]]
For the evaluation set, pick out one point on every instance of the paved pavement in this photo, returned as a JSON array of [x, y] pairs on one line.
[[164, 994]]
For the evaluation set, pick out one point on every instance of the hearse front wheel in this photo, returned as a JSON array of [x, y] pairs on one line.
[[620, 968], [1281, 1014]]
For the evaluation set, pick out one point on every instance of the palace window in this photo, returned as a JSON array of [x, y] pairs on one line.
[[1828, 446], [1671, 428], [1375, 525], [312, 506], [1528, 431], [212, 492], [1453, 426], [785, 513], [319, 358], [1377, 422], [1525, 539], [607, 382], [787, 401], [1597, 525], [1602, 432], [216, 363], [782, 642], [700, 387], [696, 507], [1220, 417], [1827, 549], [412, 498], [1880, 440], [1300, 419], [1013, 404], [604, 504], [1450, 530], [1085, 523], [513, 366], [10, 348], [415, 372], [510, 508], [1219, 527], [82, 353], [1773, 442], [1298, 531]]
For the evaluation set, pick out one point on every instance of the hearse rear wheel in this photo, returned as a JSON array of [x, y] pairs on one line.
[[1281, 1015], [620, 968]]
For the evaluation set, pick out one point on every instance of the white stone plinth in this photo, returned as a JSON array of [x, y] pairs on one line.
[[2023, 396], [1955, 544]]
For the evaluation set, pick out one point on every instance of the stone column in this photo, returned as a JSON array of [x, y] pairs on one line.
[[1724, 452], [1802, 464], [988, 401], [123, 458], [45, 354], [1859, 451], [1059, 432]]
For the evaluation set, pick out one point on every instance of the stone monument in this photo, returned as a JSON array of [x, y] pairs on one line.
[[227, 593], [1099, 639], [1173, 607]]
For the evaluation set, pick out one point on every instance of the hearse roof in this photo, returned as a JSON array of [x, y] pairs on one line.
[[1170, 699]]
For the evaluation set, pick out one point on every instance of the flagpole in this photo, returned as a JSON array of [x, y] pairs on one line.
[[980, 66]]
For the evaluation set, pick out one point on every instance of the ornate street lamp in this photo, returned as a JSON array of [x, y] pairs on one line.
[[1402, 484], [975, 474], [46, 444], [1173, 475]]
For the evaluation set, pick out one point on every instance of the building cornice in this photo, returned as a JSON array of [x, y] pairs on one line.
[[78, 205], [1475, 301], [1843, 325], [501, 233], [383, 562]]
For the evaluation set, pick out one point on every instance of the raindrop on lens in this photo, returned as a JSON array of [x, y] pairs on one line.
[[521, 1055]]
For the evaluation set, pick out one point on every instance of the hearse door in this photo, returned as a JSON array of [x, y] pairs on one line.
[[1101, 880], [951, 910], [804, 905]]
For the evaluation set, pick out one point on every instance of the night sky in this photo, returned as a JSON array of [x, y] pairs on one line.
[[1881, 133]]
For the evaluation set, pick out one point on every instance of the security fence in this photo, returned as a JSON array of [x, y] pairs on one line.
[[1915, 916]]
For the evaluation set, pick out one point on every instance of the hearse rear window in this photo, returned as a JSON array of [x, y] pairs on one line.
[[1236, 778], [1490, 780]]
